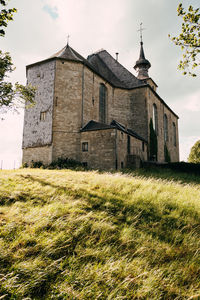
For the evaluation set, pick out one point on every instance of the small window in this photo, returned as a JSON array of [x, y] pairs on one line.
[[85, 146], [43, 116], [85, 164]]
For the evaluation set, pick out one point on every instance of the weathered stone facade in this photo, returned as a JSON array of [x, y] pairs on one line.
[[68, 98]]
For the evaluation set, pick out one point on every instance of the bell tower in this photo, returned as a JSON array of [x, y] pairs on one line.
[[142, 65]]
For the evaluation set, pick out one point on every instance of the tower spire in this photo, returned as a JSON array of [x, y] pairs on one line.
[[142, 64]]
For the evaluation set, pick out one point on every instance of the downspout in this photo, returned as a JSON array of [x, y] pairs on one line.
[[82, 105]]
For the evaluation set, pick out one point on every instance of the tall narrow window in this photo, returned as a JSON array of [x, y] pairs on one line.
[[155, 118], [165, 128], [174, 134], [102, 103], [128, 144]]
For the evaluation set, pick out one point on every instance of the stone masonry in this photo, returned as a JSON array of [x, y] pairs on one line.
[[67, 107]]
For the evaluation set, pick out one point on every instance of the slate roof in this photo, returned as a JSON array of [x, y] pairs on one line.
[[68, 53], [113, 71], [93, 126], [103, 64]]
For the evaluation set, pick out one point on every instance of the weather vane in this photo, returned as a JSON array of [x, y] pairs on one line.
[[141, 29]]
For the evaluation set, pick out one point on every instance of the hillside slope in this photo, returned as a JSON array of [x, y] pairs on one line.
[[85, 235]]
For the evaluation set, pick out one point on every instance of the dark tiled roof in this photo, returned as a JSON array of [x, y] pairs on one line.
[[93, 125], [68, 53], [113, 71], [126, 130]]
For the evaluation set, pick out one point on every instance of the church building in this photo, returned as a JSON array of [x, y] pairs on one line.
[[97, 112]]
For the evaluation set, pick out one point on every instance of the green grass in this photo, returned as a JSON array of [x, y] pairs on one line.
[[90, 235]]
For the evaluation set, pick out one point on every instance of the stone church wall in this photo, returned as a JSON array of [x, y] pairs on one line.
[[138, 107], [101, 149], [91, 97], [107, 149], [38, 132], [43, 154], [136, 148], [67, 110], [68, 93], [162, 109]]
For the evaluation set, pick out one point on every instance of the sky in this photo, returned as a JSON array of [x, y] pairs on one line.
[[40, 28]]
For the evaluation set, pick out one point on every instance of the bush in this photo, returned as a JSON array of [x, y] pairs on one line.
[[36, 164], [64, 163]]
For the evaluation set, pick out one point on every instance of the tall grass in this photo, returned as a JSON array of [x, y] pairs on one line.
[[90, 235]]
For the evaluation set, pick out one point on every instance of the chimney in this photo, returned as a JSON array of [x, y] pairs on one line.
[[117, 54]]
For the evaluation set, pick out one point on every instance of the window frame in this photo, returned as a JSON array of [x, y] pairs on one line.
[[165, 125], [43, 115], [84, 146], [102, 103], [155, 118]]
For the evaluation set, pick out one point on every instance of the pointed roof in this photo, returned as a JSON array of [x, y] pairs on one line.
[[142, 61], [68, 53]]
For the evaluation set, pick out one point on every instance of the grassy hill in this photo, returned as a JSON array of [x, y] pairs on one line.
[[90, 235]]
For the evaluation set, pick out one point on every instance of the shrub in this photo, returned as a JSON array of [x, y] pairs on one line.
[[64, 163]]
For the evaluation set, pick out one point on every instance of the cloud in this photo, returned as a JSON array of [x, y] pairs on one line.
[[52, 11], [193, 104], [40, 28]]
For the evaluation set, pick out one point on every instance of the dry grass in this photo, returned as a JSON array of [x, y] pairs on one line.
[[86, 235]]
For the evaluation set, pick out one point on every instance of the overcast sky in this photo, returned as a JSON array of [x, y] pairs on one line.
[[40, 28]]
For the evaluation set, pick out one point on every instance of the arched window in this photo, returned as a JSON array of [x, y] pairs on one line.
[[165, 128], [155, 118], [174, 134], [102, 103]]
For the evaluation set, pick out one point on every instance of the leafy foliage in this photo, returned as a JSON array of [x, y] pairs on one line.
[[189, 39], [153, 145], [10, 96], [194, 156], [6, 15]]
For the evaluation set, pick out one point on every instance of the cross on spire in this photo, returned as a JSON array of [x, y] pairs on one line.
[[141, 29], [68, 39]]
